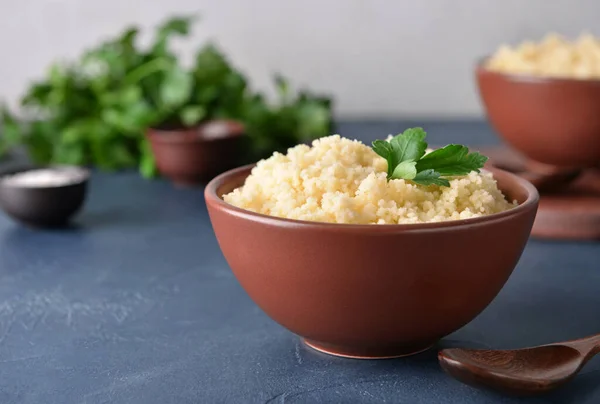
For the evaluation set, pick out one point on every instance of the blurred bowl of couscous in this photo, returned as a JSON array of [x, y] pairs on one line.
[[543, 99]]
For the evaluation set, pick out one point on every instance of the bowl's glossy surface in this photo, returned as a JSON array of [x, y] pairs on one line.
[[550, 120], [193, 155], [371, 290], [50, 206]]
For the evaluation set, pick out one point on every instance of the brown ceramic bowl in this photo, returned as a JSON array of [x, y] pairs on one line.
[[189, 156], [550, 120], [371, 291]]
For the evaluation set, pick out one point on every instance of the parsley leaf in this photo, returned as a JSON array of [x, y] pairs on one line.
[[430, 177], [410, 145], [385, 150], [406, 170], [453, 159], [406, 158]]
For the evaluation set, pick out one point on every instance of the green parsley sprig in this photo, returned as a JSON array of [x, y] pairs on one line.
[[406, 158]]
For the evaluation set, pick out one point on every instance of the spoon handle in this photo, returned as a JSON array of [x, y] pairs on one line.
[[588, 346]]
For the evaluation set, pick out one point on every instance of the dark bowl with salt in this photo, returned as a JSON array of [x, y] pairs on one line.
[[47, 196]]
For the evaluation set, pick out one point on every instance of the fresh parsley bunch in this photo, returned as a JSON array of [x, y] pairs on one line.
[[95, 110], [406, 158]]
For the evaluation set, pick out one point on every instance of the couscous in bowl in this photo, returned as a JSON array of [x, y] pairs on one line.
[[371, 290], [542, 99]]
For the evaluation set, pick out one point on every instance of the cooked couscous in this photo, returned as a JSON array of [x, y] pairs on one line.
[[338, 180], [554, 56]]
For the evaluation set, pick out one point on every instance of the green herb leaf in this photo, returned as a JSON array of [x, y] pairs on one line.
[[406, 170], [127, 39], [382, 148], [69, 154], [192, 114], [452, 160], [147, 165], [174, 26], [76, 132], [385, 150], [176, 87], [410, 145], [406, 147], [430, 177], [312, 120], [406, 158], [282, 86], [11, 129], [39, 141]]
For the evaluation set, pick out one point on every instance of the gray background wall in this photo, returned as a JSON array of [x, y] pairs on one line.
[[379, 58]]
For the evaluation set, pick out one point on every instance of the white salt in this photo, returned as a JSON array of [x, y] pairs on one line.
[[45, 177]]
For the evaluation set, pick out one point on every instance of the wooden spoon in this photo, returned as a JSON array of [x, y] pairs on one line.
[[525, 371]]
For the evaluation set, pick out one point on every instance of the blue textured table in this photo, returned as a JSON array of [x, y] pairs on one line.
[[137, 305]]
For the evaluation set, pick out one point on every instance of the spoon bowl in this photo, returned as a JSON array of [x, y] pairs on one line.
[[525, 371]]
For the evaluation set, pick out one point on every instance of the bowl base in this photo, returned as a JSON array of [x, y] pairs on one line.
[[573, 213], [569, 211], [368, 353]]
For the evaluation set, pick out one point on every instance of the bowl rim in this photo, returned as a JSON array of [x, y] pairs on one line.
[[480, 68], [182, 135], [85, 175], [211, 197]]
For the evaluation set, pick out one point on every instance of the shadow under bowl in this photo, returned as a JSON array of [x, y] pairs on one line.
[[371, 291], [191, 156], [50, 206], [553, 121]]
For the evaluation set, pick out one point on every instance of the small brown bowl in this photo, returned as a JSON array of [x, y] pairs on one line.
[[371, 291], [190, 156], [550, 120]]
